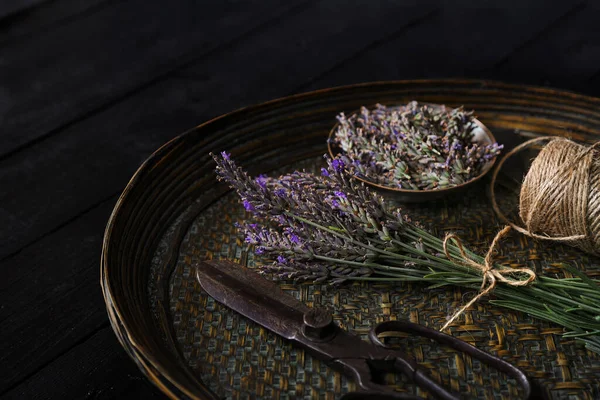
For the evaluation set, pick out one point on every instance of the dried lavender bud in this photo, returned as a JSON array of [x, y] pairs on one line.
[[416, 147], [314, 218]]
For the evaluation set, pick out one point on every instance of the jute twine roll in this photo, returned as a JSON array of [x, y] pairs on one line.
[[560, 195]]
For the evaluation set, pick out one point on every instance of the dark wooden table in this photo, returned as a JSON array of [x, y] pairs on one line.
[[89, 89]]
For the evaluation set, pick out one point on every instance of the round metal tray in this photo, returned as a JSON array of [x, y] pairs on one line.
[[173, 213]]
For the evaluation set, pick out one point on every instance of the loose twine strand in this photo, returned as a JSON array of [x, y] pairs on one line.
[[559, 199], [490, 275]]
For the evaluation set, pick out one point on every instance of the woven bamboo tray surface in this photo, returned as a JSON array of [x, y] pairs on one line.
[[174, 214]]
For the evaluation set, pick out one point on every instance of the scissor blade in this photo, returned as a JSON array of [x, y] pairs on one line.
[[253, 296]]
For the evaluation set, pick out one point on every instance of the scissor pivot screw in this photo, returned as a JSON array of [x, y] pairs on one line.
[[318, 324]]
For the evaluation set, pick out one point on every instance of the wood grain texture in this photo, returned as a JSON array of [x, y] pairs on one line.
[[81, 373], [572, 48], [60, 288], [446, 45], [44, 17], [85, 64], [9, 8]]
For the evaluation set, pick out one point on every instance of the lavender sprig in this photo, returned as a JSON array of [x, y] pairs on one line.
[[331, 228], [417, 147]]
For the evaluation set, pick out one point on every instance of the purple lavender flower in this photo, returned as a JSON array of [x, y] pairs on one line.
[[309, 221], [280, 192], [248, 206], [281, 260], [337, 164], [324, 172], [262, 181], [226, 156]]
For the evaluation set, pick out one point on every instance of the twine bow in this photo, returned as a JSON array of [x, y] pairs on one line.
[[490, 275]]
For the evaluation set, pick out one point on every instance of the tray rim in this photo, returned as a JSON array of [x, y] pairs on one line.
[[150, 366]]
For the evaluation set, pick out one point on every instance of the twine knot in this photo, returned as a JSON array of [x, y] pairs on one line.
[[491, 276]]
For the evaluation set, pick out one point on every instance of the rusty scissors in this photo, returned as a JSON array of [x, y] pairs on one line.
[[262, 301]]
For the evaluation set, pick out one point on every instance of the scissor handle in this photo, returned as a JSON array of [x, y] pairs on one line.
[[457, 344], [360, 369], [382, 359]]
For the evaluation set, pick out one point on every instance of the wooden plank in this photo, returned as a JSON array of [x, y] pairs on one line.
[[83, 65], [464, 39], [9, 8], [58, 178], [573, 10], [568, 56], [95, 158], [97, 368], [44, 17], [51, 297]]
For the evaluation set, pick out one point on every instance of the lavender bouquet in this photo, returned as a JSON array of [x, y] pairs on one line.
[[415, 147], [331, 228]]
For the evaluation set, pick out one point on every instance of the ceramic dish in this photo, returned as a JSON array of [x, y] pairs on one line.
[[481, 136]]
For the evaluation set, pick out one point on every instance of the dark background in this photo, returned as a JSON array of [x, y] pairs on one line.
[[89, 89]]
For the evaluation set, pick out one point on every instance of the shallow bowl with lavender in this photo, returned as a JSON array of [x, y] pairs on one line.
[[415, 152]]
